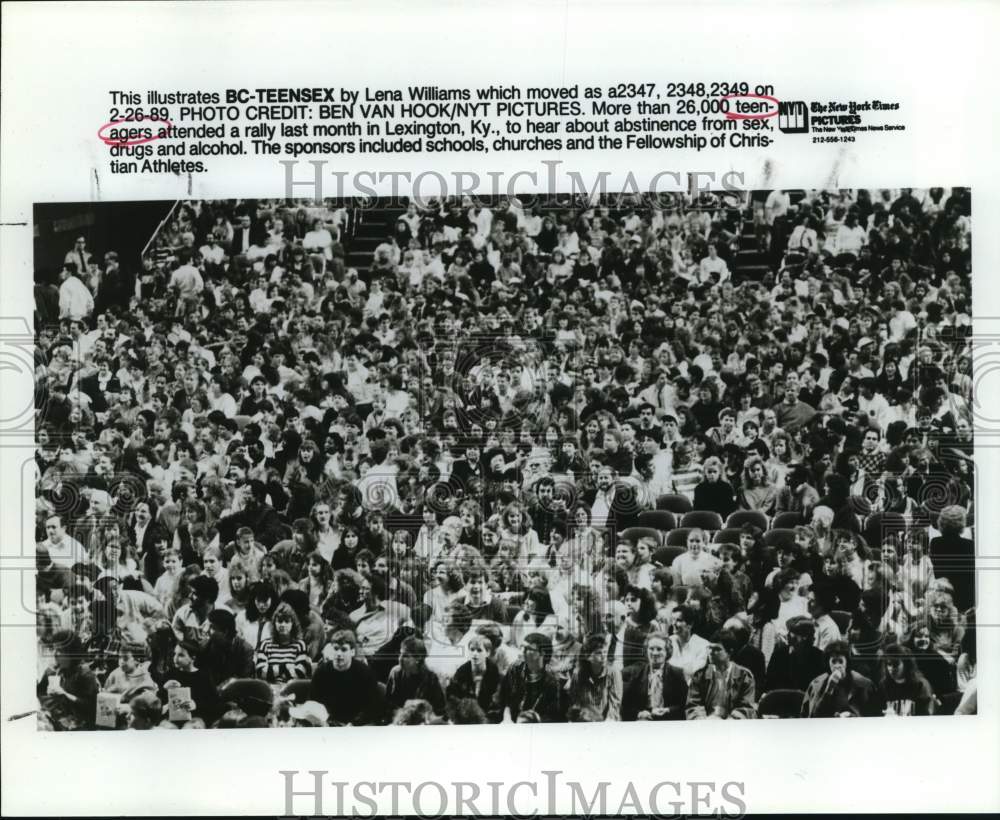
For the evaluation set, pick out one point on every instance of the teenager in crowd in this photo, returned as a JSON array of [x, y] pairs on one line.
[[840, 692]]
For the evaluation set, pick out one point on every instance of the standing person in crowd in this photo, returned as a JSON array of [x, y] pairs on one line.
[[953, 556]]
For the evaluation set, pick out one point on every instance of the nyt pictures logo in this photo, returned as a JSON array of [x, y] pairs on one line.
[[793, 117]]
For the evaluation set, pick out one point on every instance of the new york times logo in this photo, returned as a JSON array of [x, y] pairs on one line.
[[793, 117]]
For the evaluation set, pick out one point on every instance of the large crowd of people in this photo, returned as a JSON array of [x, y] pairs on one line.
[[541, 460]]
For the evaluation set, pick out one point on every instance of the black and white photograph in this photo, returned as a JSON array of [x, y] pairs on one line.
[[530, 459]]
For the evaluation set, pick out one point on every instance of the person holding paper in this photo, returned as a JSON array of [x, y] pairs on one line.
[[185, 674], [68, 692]]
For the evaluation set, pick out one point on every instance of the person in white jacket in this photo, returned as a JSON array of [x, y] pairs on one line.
[[75, 300]]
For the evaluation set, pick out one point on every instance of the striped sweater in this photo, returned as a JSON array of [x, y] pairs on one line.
[[278, 663]]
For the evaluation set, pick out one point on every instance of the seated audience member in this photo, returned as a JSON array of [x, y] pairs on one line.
[[653, 689], [722, 688], [478, 678], [528, 686], [840, 692], [412, 680], [796, 662], [345, 685]]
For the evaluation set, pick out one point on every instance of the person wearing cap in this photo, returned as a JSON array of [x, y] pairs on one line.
[[310, 714], [796, 661], [226, 655], [722, 689]]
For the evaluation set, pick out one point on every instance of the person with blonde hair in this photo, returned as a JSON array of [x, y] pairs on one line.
[[946, 624], [758, 492], [713, 492], [822, 525], [688, 567], [953, 555]]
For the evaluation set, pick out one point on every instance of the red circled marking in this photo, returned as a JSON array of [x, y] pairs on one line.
[[158, 125], [730, 115]]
